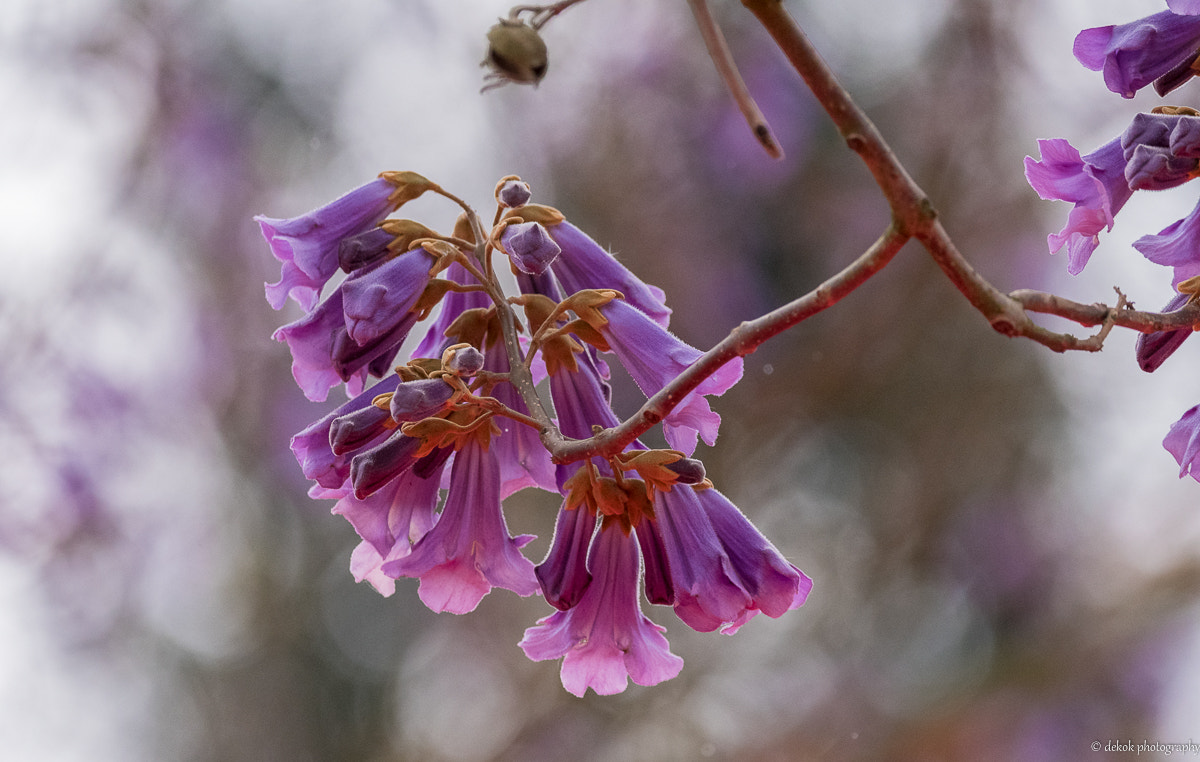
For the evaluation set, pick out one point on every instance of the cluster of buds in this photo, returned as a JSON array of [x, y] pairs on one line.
[[425, 451], [1158, 150]]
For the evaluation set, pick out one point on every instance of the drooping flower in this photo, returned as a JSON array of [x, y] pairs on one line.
[[373, 303], [605, 640], [1183, 442], [1153, 349], [375, 300], [308, 245], [585, 264], [654, 357], [468, 551], [389, 522], [1156, 49], [1161, 150], [312, 448], [524, 461], [563, 574], [1094, 183], [1176, 246], [722, 569], [384, 456]]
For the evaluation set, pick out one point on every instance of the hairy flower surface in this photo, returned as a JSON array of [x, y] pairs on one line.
[[584, 263], [1176, 246]]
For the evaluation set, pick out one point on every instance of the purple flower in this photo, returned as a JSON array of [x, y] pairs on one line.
[[722, 569], [312, 446], [1160, 150], [324, 353], [308, 245], [580, 401], [376, 466], [563, 575], [529, 247], [1094, 183], [1157, 47], [653, 358], [389, 522], [604, 639], [464, 362], [524, 461], [1176, 246], [468, 551], [364, 249], [1184, 7], [585, 264], [375, 300], [1153, 349], [1183, 441], [414, 400]]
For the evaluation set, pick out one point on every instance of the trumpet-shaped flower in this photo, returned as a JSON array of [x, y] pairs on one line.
[[324, 354], [722, 569], [1183, 442], [605, 640], [1156, 49], [654, 357], [312, 447], [468, 551], [379, 298], [1094, 183], [585, 264], [1176, 246], [308, 245]]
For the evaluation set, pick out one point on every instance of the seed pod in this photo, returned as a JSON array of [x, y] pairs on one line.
[[516, 53]]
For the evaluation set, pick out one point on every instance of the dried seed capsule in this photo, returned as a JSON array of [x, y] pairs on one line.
[[516, 53]]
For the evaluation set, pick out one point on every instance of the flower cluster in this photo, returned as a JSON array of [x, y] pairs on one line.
[[1158, 150], [423, 454]]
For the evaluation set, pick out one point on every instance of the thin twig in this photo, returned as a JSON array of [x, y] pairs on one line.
[[743, 340], [908, 201], [718, 50]]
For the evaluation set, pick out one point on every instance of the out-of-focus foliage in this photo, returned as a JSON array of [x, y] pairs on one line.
[[179, 588]]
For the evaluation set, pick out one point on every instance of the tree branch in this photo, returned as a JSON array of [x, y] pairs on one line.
[[743, 340], [913, 216]]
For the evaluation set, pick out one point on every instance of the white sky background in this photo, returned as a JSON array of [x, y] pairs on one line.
[[62, 140]]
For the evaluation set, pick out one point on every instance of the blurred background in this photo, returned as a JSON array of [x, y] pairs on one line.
[[1005, 564]]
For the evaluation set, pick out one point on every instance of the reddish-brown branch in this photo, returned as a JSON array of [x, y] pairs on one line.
[[743, 340], [913, 216]]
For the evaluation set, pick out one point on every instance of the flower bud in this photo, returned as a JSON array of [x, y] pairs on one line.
[[373, 468], [352, 431], [530, 247], [690, 470], [513, 193], [363, 249], [463, 362], [1153, 349], [415, 400]]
